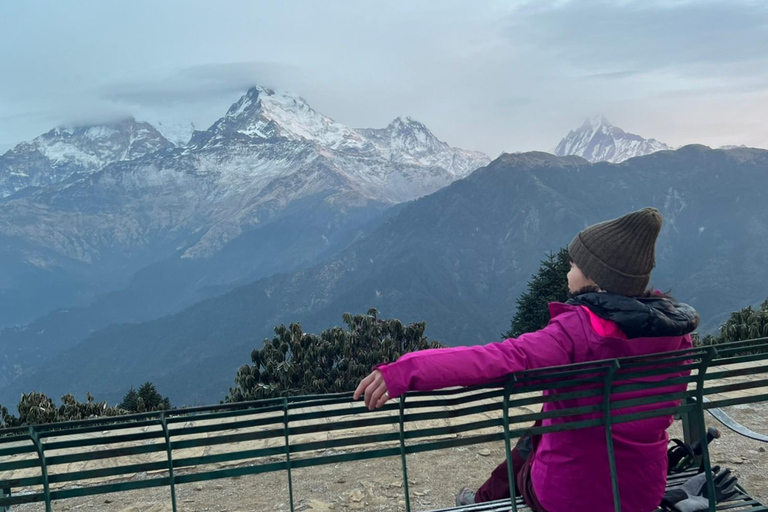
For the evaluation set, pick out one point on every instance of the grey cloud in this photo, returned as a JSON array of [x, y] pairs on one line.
[[270, 74], [202, 83], [613, 75], [610, 36]]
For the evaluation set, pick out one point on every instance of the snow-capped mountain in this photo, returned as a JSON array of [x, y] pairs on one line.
[[408, 141], [597, 140], [55, 156], [395, 164], [269, 158]]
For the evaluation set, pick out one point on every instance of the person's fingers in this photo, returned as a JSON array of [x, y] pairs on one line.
[[715, 469], [383, 399], [376, 394], [368, 391], [361, 387]]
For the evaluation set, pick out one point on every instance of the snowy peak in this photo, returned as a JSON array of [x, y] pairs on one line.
[[407, 141], [404, 138], [97, 145], [265, 114], [598, 123], [597, 140], [408, 124], [412, 137], [94, 146], [64, 151]]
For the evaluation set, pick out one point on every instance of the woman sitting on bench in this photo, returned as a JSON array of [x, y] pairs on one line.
[[610, 315]]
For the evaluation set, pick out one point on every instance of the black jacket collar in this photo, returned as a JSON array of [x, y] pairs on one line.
[[641, 317]]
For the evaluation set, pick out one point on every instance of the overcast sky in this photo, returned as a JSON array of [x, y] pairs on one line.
[[492, 76]]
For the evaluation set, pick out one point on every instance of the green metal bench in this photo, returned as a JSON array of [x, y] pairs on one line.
[[53, 462]]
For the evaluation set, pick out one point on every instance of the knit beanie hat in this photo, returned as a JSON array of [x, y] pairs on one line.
[[619, 254]]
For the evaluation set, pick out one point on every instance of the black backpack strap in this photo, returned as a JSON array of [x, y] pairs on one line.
[[680, 457]]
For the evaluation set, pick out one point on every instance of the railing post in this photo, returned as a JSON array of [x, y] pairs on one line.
[[44, 468], [508, 444], [5, 492], [711, 353], [288, 452], [402, 454], [609, 434], [170, 459]]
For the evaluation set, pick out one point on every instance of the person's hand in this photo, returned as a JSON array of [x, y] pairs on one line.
[[374, 389]]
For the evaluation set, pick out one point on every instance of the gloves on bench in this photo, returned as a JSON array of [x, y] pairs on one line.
[[692, 496]]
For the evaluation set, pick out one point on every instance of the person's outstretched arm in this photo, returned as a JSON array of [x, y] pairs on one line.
[[426, 370]]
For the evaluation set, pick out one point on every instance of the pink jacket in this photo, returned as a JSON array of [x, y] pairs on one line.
[[570, 471]]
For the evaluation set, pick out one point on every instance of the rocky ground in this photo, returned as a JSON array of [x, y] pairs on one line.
[[377, 485]]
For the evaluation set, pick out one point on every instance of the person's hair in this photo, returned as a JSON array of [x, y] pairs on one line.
[[650, 292], [586, 289]]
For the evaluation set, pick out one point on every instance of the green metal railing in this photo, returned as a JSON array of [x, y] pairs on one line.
[[660, 385]]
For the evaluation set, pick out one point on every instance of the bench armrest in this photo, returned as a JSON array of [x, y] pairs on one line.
[[734, 425]]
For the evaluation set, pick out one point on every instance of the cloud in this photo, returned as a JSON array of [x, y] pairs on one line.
[[610, 37], [612, 75], [202, 83]]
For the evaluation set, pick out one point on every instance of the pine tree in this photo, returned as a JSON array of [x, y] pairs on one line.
[[745, 324], [147, 398], [153, 400], [130, 401], [549, 284], [294, 362]]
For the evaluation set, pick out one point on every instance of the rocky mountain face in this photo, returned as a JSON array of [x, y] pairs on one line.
[[457, 259], [149, 227], [597, 140]]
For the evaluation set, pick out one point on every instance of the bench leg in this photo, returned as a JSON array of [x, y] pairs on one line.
[[691, 429]]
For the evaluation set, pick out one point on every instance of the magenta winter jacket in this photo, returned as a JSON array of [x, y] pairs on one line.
[[570, 471]]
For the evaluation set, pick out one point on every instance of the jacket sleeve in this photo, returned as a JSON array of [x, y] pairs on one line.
[[426, 370]]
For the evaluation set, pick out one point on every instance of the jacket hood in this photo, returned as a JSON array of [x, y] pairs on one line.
[[641, 317]]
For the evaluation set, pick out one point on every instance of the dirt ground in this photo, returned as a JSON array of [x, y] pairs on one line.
[[377, 485]]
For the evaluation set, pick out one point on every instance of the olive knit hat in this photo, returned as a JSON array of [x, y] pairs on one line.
[[619, 254]]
